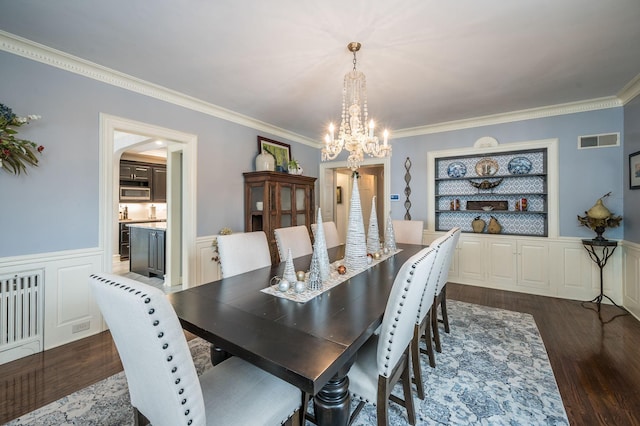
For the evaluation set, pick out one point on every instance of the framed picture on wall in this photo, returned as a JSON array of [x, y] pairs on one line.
[[634, 170], [280, 151]]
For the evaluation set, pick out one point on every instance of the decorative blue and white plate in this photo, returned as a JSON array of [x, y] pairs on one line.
[[456, 170], [519, 166]]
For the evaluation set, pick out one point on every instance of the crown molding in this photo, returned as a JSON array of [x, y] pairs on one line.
[[630, 91], [47, 55], [56, 58], [510, 117]]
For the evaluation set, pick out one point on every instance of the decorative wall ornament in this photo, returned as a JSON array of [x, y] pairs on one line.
[[407, 189], [15, 153], [485, 142]]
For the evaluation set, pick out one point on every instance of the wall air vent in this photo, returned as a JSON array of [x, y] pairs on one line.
[[599, 141]]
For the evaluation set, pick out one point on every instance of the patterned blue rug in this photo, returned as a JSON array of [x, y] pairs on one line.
[[493, 370]]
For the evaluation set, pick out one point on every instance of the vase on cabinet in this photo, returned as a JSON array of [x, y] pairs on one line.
[[265, 162], [478, 225]]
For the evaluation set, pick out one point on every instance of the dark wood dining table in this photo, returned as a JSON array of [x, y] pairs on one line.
[[311, 345]]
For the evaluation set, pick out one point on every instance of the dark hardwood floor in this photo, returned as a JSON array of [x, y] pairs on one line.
[[595, 359]]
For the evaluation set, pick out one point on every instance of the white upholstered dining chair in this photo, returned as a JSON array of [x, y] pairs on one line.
[[408, 231], [422, 327], [384, 359], [295, 238], [330, 233], [240, 253], [440, 299], [163, 383]]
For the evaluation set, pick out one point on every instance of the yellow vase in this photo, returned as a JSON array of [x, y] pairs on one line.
[[598, 211]]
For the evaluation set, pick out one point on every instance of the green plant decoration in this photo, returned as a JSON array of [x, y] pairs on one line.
[[15, 153]]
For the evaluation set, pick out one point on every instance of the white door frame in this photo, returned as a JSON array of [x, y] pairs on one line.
[[109, 183], [384, 162]]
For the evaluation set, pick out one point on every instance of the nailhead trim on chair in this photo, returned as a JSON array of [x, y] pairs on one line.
[[160, 334]]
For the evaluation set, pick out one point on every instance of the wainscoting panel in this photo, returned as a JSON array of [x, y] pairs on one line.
[[631, 290], [556, 267], [207, 269], [573, 270], [70, 312]]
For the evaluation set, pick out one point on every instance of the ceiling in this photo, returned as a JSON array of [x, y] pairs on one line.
[[282, 61]]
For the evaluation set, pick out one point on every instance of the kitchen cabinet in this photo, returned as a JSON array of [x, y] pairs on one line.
[[124, 237], [134, 172], [147, 249], [124, 241], [159, 184], [147, 175], [275, 200]]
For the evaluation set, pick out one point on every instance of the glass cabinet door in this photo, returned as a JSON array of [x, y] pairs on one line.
[[301, 198], [285, 198]]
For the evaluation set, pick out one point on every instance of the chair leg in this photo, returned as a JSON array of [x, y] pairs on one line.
[[138, 418], [303, 409], [443, 306], [415, 359], [434, 325], [408, 396], [428, 341], [382, 412]]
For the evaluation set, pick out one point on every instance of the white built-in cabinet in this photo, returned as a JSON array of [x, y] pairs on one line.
[[502, 263]]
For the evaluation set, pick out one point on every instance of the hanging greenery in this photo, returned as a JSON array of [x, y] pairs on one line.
[[15, 153]]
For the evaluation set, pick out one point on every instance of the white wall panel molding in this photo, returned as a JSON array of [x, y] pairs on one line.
[[207, 269], [631, 278], [56, 58], [555, 267], [70, 313]]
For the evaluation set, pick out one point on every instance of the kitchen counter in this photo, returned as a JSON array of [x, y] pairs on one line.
[[149, 225], [147, 248], [141, 220]]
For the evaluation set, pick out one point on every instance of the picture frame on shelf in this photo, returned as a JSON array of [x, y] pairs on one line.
[[634, 170], [338, 195], [280, 151]]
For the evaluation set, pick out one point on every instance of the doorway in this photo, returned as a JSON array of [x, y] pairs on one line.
[[374, 180], [181, 194]]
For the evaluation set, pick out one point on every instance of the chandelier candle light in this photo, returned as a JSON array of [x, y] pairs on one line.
[[352, 134]]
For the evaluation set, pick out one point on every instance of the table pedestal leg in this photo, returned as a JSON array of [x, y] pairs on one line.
[[331, 404]]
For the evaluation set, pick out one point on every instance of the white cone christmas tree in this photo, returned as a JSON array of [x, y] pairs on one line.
[[320, 249], [289, 271], [315, 280], [355, 253], [390, 236], [373, 235]]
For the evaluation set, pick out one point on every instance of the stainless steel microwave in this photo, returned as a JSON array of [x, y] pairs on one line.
[[135, 193]]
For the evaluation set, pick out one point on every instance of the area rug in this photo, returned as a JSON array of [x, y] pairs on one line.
[[493, 370]]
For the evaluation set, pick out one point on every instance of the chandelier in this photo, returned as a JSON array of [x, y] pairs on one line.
[[353, 135]]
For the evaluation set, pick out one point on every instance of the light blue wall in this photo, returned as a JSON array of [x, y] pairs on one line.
[[55, 206], [632, 197], [584, 176]]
